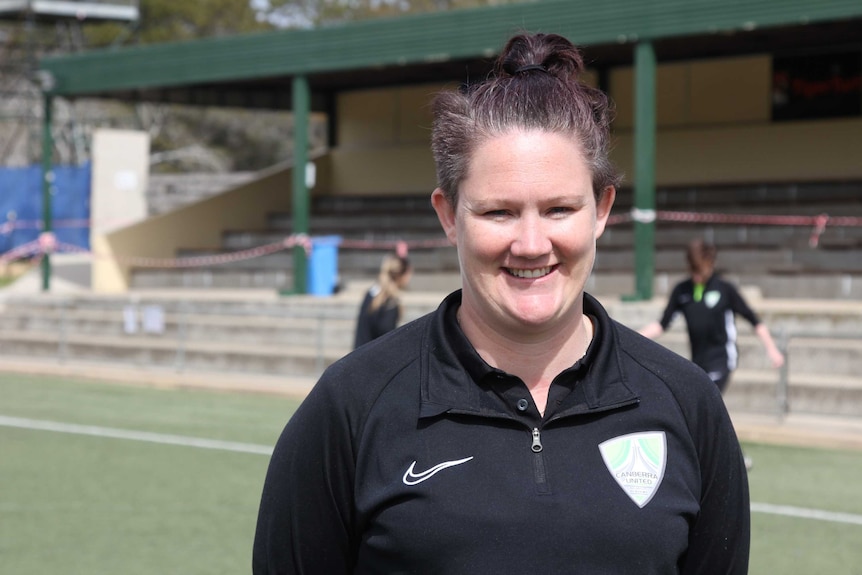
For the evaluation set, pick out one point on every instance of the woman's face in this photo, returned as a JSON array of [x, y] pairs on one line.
[[525, 226]]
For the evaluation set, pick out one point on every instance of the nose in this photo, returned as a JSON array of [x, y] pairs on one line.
[[531, 239]]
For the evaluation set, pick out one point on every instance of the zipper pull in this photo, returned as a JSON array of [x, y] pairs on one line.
[[537, 441]]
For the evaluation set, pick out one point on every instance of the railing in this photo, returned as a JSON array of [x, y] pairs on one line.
[[784, 340], [188, 337], [330, 332]]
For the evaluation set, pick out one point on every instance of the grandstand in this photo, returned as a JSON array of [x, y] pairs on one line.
[[774, 178], [739, 92]]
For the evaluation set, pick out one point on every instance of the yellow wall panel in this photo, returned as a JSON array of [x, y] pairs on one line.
[[731, 91], [366, 117]]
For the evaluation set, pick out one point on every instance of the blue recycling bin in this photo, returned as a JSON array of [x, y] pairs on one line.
[[323, 265]]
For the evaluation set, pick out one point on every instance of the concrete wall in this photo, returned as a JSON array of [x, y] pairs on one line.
[[714, 127], [199, 225], [117, 196], [119, 181], [383, 143]]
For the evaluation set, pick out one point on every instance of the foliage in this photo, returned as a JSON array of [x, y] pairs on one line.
[[171, 21], [306, 13], [224, 144]]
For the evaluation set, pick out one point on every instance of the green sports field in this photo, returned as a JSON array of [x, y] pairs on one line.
[[106, 478]]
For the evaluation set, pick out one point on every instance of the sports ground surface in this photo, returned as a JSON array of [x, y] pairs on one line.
[[105, 478]]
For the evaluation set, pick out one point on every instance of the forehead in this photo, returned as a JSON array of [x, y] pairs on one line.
[[527, 160]]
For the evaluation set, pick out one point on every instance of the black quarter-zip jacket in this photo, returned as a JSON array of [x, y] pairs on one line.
[[411, 455], [710, 322]]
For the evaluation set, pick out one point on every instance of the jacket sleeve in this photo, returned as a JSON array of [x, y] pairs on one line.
[[741, 307], [305, 519], [671, 309], [719, 540]]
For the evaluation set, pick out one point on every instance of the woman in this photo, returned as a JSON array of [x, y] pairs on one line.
[[381, 310], [517, 429], [709, 305]]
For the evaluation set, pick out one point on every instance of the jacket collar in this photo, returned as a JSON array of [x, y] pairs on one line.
[[452, 370]]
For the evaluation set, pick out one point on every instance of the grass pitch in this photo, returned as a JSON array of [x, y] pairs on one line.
[[99, 505]]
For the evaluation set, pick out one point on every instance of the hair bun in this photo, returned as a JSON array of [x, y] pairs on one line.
[[550, 53]]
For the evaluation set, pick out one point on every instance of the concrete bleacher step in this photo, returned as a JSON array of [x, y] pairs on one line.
[[671, 235], [246, 239], [229, 356], [768, 195], [760, 391], [297, 336], [333, 332], [777, 258], [346, 223], [837, 356], [150, 278]]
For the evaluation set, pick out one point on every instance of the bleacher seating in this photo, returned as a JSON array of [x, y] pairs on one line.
[[779, 259], [298, 336]]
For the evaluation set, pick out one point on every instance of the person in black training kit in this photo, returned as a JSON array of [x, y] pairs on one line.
[[381, 307], [709, 305], [517, 428]]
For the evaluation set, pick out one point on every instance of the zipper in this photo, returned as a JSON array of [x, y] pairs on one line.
[[537, 441], [539, 474]]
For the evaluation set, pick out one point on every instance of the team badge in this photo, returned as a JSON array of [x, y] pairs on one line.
[[711, 298], [637, 463]]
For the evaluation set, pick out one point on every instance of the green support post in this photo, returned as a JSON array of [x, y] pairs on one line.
[[47, 184], [644, 149], [300, 204]]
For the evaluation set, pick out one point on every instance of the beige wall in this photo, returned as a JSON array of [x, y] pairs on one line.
[[742, 154], [700, 93], [713, 118], [383, 143], [121, 169], [117, 196], [199, 225], [714, 127]]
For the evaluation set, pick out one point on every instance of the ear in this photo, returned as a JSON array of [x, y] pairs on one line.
[[603, 209], [446, 214]]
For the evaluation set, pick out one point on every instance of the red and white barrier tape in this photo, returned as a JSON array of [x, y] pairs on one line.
[[47, 242], [818, 222]]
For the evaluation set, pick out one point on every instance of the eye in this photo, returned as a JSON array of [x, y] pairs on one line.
[[496, 214], [559, 211]]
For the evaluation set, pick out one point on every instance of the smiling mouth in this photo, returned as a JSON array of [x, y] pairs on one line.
[[530, 274]]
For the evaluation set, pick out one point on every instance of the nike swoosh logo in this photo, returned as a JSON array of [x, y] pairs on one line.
[[411, 478]]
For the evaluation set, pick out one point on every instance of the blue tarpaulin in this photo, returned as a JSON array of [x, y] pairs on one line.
[[21, 205]]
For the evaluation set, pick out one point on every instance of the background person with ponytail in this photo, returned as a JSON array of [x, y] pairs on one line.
[[381, 307]]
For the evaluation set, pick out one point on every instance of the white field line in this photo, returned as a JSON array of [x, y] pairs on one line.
[[804, 513], [76, 429], [114, 433]]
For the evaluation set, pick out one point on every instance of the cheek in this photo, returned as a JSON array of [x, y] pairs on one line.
[[578, 232], [481, 240]]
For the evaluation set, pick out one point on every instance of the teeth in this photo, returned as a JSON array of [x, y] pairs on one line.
[[530, 274]]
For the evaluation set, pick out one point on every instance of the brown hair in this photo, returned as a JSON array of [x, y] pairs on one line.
[[701, 257], [535, 86]]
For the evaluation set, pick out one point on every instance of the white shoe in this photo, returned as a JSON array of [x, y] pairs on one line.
[[749, 463]]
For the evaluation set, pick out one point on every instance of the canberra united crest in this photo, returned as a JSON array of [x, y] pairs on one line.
[[637, 463]]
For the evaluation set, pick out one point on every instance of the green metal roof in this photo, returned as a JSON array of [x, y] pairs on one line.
[[426, 40]]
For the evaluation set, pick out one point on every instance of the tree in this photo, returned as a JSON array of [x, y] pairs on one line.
[[308, 13], [172, 21]]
